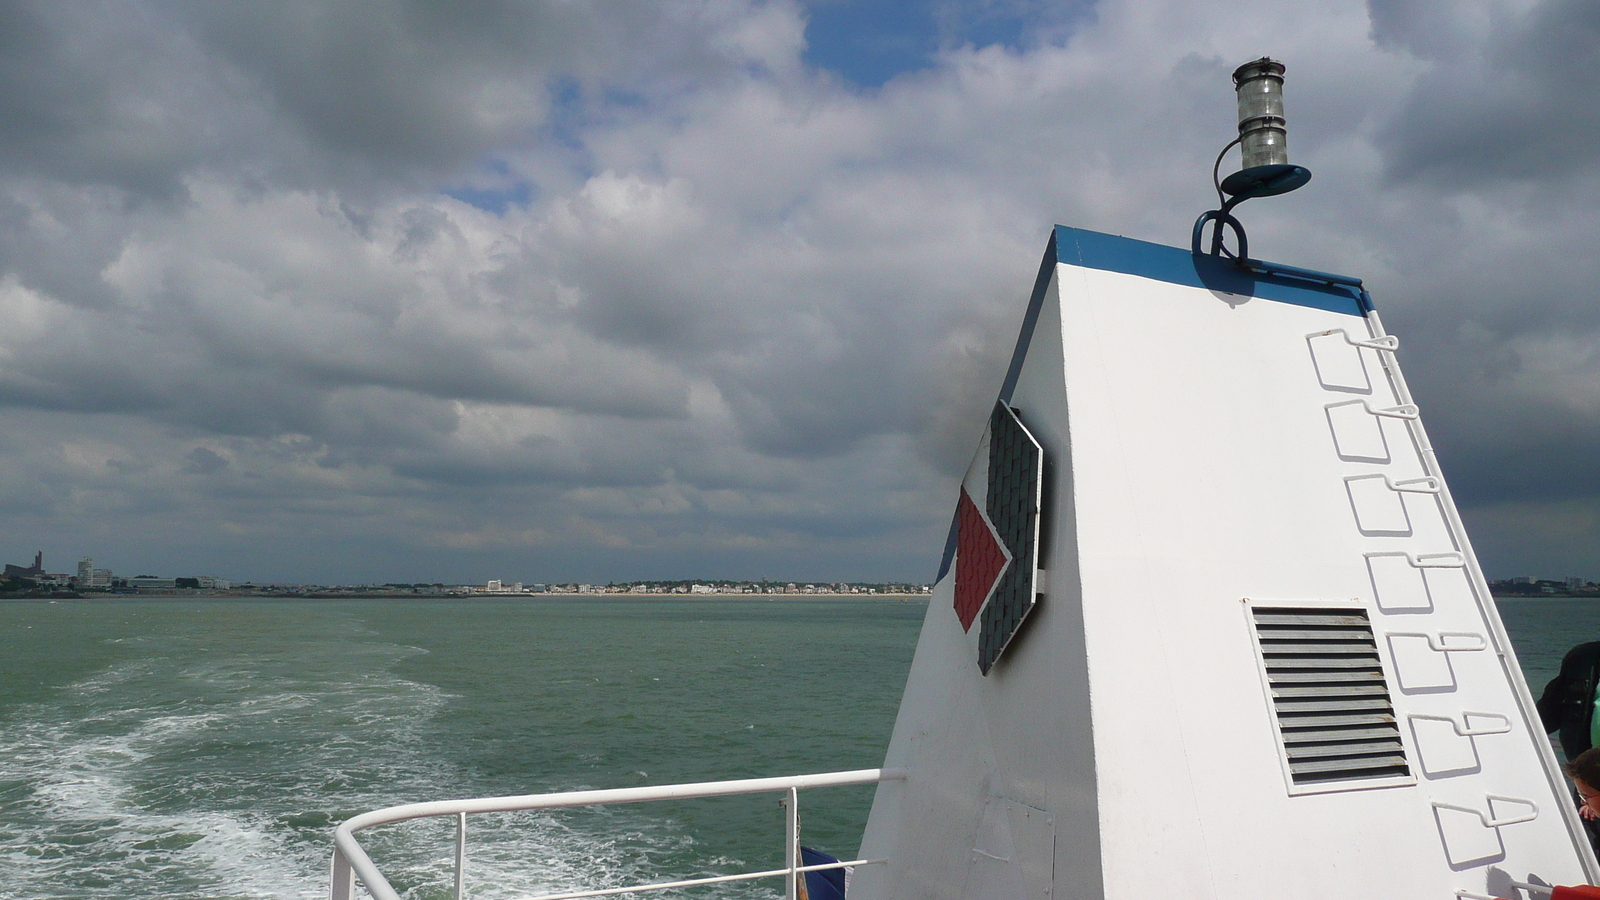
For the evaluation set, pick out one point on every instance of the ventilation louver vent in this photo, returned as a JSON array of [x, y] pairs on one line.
[[1329, 694]]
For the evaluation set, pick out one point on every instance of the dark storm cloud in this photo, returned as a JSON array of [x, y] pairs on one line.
[[60, 240], [1509, 95], [350, 96], [376, 91], [1516, 418], [88, 99], [204, 461]]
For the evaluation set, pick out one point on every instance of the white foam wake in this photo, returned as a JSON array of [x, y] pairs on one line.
[[184, 776]]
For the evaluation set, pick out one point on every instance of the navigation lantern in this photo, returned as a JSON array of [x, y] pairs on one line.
[[1263, 140], [1264, 149]]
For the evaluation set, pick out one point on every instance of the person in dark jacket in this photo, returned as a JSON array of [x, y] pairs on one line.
[[1567, 707]]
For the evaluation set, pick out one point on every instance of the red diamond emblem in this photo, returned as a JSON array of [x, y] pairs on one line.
[[980, 560]]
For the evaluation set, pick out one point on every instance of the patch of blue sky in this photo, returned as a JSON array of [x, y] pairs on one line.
[[570, 109], [496, 200], [869, 42]]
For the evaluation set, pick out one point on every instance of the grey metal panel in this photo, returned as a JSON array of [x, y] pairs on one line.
[[1016, 468], [1328, 691]]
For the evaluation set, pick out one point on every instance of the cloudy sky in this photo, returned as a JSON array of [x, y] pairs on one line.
[[567, 291]]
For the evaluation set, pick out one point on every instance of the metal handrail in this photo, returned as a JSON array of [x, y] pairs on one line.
[[350, 860]]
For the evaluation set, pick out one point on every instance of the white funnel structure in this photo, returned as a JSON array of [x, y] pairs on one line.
[[1263, 662]]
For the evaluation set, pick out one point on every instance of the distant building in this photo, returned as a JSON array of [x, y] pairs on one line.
[[90, 577], [497, 586], [33, 571], [150, 583]]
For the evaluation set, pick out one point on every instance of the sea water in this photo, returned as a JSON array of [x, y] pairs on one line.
[[206, 748]]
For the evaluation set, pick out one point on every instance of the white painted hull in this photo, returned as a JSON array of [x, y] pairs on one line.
[[1208, 454]]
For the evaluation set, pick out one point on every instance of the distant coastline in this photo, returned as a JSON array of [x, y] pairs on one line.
[[1529, 588], [34, 583], [380, 594], [1558, 596], [1496, 592]]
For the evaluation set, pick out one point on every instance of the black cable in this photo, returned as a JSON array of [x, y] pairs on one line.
[[1222, 202], [1216, 170]]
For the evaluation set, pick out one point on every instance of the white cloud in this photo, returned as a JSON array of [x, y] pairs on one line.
[[741, 318]]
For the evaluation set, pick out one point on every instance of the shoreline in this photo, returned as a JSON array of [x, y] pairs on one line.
[[564, 595], [481, 595], [396, 595]]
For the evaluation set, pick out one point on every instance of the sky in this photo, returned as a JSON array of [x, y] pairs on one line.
[[408, 291]]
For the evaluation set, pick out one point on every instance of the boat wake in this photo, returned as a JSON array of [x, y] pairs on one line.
[[194, 775]]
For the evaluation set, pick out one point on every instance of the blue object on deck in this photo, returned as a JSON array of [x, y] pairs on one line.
[[827, 884]]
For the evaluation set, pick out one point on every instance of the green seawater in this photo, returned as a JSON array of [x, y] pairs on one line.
[[1542, 631], [206, 748]]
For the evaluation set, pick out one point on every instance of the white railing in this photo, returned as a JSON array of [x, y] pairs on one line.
[[351, 862]]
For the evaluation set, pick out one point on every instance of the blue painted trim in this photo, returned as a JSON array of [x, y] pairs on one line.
[[1284, 284]]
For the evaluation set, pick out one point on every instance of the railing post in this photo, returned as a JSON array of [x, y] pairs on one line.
[[342, 885], [461, 856], [791, 844]]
